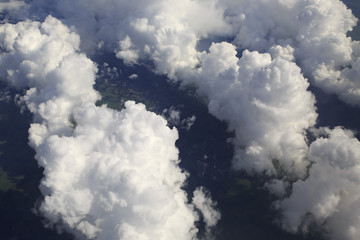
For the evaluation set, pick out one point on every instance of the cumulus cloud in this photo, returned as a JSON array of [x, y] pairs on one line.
[[107, 174], [43, 58], [265, 100], [126, 53], [330, 196], [117, 177], [317, 30]]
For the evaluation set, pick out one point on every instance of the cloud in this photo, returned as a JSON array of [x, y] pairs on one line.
[[107, 174], [12, 5], [133, 76], [330, 197], [166, 32], [317, 30], [126, 53], [13, 10], [265, 100], [117, 177], [202, 201], [42, 58], [173, 117]]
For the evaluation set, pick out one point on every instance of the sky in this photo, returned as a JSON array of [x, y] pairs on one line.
[[257, 64]]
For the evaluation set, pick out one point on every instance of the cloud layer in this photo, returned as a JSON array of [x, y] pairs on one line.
[[256, 81]]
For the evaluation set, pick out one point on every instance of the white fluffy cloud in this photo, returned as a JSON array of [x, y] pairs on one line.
[[330, 197], [265, 100], [126, 52], [117, 177], [202, 201], [315, 29], [43, 58], [107, 174]]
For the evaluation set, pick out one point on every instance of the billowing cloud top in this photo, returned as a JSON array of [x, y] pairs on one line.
[[270, 90], [43, 58], [315, 29], [330, 196], [167, 32], [117, 177]]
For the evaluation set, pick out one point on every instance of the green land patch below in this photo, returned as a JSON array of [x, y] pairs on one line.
[[239, 186], [9, 183]]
